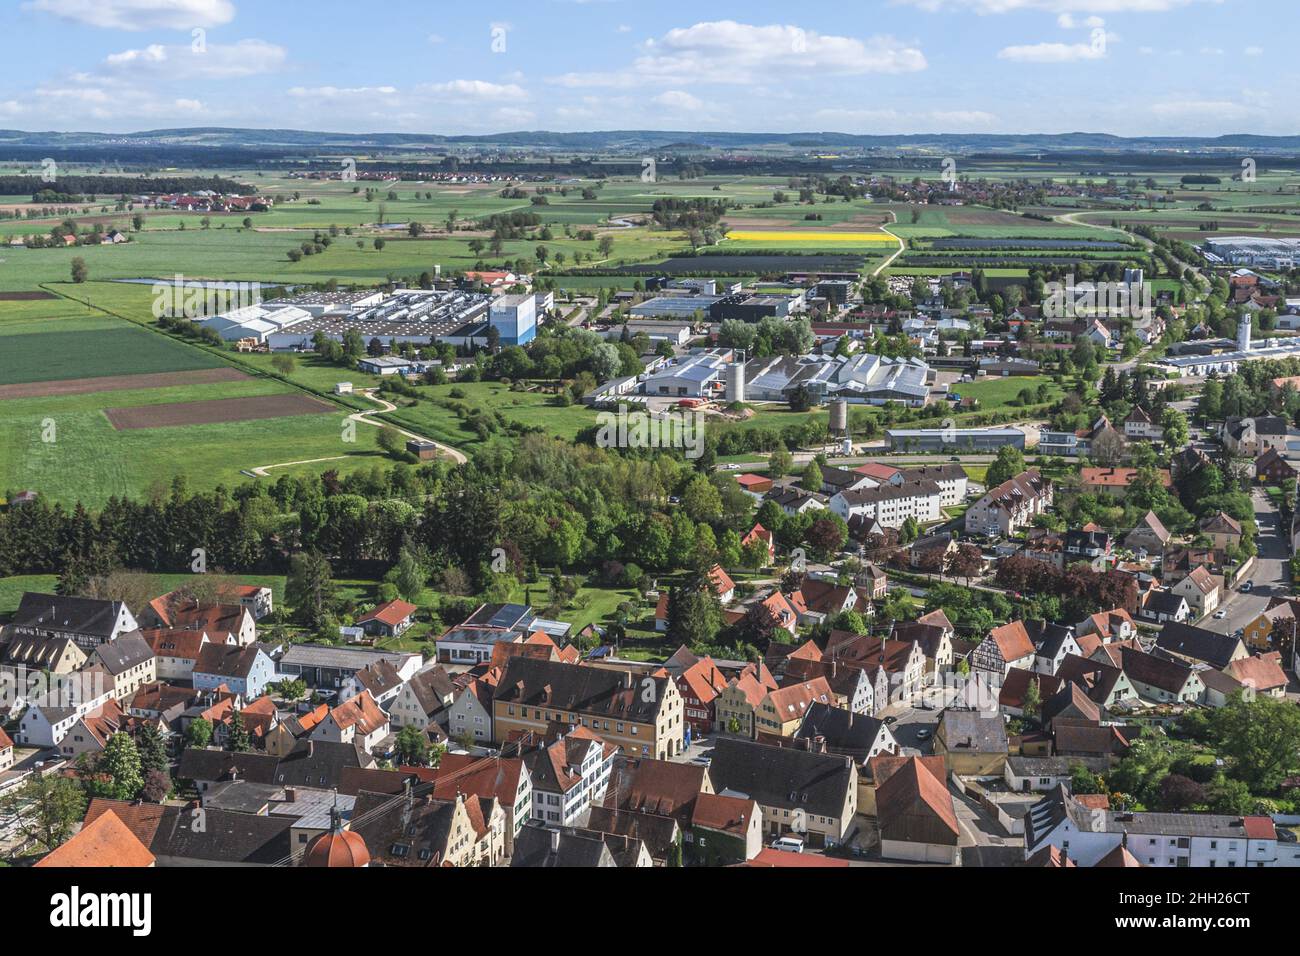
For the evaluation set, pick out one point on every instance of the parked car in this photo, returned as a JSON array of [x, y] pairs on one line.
[[789, 844], [1220, 614], [1247, 587]]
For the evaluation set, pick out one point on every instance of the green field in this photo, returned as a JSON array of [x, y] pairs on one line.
[[57, 355]]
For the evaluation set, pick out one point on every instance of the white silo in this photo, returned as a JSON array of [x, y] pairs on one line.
[[1243, 334], [735, 382]]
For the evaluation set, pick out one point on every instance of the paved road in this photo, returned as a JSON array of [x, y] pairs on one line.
[[1270, 575]]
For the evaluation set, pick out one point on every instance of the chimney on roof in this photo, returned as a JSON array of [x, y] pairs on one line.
[[290, 795]]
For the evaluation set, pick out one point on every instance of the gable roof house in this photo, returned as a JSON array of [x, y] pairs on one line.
[[179, 611], [1161, 679], [1198, 645], [391, 619], [918, 821], [469, 717], [357, 721], [128, 664], [1150, 536], [1005, 647], [1010, 506], [1202, 590], [103, 842], [1106, 685], [87, 622], [810, 794], [1052, 643], [841, 731], [244, 669], [425, 698], [641, 714]]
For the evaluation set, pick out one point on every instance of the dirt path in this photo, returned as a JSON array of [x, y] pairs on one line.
[[263, 471], [902, 247]]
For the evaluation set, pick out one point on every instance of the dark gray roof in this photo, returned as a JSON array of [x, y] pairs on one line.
[[227, 660], [403, 831], [1198, 644], [782, 777], [76, 614], [222, 836], [570, 687], [311, 763], [844, 731], [659, 834], [119, 656], [971, 730], [1161, 672], [536, 846]]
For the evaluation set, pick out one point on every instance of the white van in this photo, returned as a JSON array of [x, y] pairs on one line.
[[789, 844]]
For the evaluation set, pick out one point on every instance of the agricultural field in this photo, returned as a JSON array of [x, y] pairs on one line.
[[64, 366]]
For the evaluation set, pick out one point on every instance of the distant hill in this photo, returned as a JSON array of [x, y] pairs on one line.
[[677, 140]]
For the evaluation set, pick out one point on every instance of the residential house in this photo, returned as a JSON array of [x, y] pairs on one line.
[[1260, 675], [1274, 468], [1198, 645], [972, 743], [1106, 685], [641, 715], [1160, 606], [569, 775], [1010, 506], [766, 539], [503, 779], [1202, 590], [86, 622], [813, 795], [1223, 530], [127, 663], [423, 701], [469, 718], [1149, 537], [1139, 426], [1161, 679], [781, 712], [1155, 839], [1115, 482], [1052, 644], [841, 731], [357, 721], [410, 831], [244, 669], [102, 843], [724, 830], [390, 619], [1005, 647]]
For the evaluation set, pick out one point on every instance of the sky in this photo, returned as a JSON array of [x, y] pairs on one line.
[[1125, 67]]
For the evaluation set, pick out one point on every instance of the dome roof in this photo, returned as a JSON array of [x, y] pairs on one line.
[[339, 849]]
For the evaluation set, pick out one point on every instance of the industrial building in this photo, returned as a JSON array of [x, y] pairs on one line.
[[417, 316], [515, 318], [945, 439], [1227, 362], [1263, 252]]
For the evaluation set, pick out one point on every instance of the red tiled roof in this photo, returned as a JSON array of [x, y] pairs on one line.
[[104, 842], [393, 613], [768, 857]]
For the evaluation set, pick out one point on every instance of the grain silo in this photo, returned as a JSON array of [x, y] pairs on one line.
[[839, 417], [735, 382]]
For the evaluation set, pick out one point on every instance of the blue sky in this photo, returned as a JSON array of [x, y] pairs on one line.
[[1128, 67]]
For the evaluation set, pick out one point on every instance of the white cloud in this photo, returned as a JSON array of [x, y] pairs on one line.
[[1211, 51], [476, 90], [217, 61], [1054, 52], [1052, 6], [1253, 51], [140, 14], [679, 100], [435, 39], [337, 92], [728, 52]]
